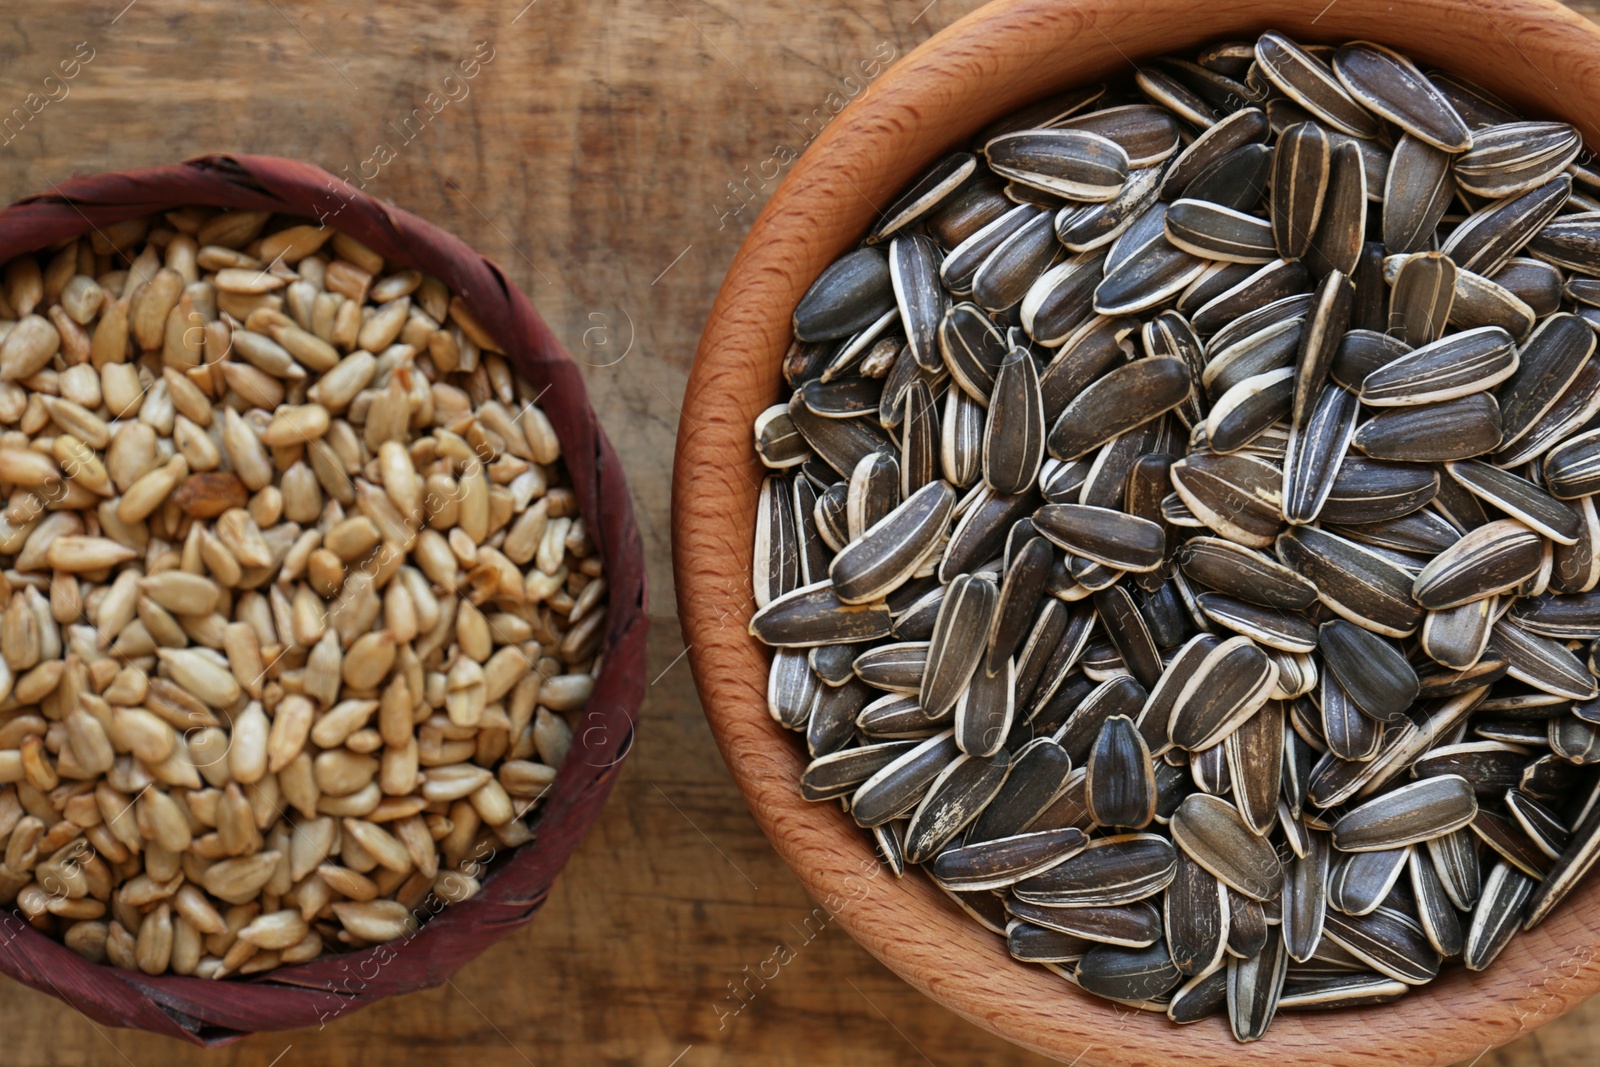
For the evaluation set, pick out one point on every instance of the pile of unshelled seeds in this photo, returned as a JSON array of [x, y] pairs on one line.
[[295, 598], [1183, 537]]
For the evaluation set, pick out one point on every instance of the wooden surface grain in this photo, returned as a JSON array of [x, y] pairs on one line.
[[611, 157]]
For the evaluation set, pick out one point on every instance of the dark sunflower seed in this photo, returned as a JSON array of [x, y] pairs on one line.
[[1239, 496], [1494, 558], [1127, 974], [1353, 582], [1361, 352], [1416, 194], [1213, 833], [852, 293], [1196, 918], [1535, 282], [1074, 163], [1351, 734], [1572, 469], [1389, 942], [1421, 300], [898, 717], [1542, 662], [832, 724], [777, 547], [1148, 134], [814, 615], [1305, 899], [1280, 280], [887, 552], [1476, 105], [1269, 349], [1007, 273], [1388, 84], [1373, 491], [895, 667], [928, 194], [1246, 575], [792, 688], [1301, 165], [1243, 128], [1268, 626], [958, 641], [1088, 227], [1358, 882], [1454, 429], [1213, 231], [841, 442], [1373, 672], [1514, 157], [1134, 925], [1150, 271], [872, 494], [1039, 774], [1499, 915], [1109, 871], [1254, 986], [1336, 245], [1504, 836], [1128, 396], [1541, 825], [961, 438], [1317, 449], [954, 798], [1457, 637], [963, 261], [1452, 367], [778, 443], [1413, 813], [1571, 241], [1255, 762], [1572, 409], [1014, 434], [1491, 236], [1246, 410], [1120, 781], [1106, 536], [981, 530], [1036, 944], [839, 773], [1311, 83], [1339, 991], [914, 276], [1566, 617], [1238, 179], [1550, 361]]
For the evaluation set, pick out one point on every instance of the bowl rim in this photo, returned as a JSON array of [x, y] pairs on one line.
[[1009, 52]]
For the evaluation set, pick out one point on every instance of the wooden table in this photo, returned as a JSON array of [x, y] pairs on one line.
[[610, 156]]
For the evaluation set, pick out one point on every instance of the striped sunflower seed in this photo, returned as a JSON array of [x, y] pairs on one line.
[[1213, 834], [1072, 163]]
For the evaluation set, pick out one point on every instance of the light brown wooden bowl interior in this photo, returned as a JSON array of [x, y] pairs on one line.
[[1533, 52]]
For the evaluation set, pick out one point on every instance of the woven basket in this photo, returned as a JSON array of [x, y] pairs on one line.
[[217, 1012]]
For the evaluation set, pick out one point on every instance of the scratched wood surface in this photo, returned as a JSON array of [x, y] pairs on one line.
[[610, 156]]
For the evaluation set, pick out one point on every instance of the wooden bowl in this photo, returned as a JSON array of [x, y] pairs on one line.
[[1535, 53]]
